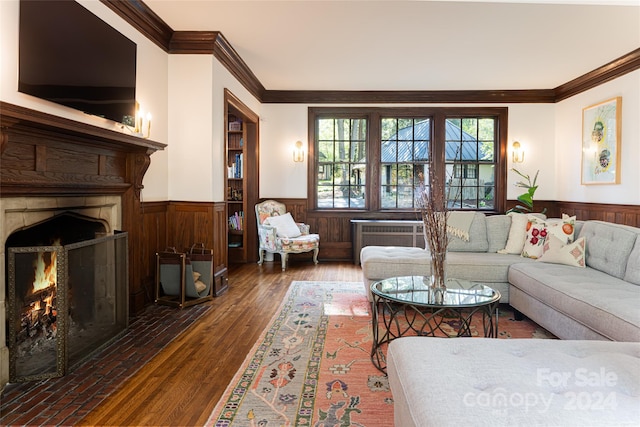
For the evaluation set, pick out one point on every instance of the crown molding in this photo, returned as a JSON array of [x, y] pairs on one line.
[[409, 97], [141, 17], [614, 69], [227, 55], [193, 42]]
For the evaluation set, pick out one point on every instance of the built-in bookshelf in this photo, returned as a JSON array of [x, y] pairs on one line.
[[241, 127]]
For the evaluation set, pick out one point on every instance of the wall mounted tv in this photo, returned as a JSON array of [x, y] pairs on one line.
[[71, 57]]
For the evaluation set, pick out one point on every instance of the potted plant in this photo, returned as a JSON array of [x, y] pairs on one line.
[[526, 199]]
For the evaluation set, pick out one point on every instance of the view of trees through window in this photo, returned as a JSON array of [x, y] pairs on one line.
[[470, 147], [404, 159], [342, 162], [376, 161]]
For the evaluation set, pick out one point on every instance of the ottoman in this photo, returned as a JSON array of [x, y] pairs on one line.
[[511, 382]]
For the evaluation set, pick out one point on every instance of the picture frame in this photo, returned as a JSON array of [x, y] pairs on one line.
[[601, 140]]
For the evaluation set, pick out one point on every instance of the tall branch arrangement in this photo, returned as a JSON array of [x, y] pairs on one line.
[[432, 202]]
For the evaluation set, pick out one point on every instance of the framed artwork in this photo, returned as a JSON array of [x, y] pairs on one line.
[[601, 129]]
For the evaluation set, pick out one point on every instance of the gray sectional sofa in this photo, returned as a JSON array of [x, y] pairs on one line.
[[594, 309], [599, 301], [476, 259]]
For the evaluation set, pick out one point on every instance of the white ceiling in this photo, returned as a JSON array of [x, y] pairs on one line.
[[415, 45]]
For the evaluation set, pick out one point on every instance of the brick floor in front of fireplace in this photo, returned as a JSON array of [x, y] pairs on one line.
[[68, 399]]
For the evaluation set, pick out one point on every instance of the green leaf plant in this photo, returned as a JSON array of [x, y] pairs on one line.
[[526, 199]]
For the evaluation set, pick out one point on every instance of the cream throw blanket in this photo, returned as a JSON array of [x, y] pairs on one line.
[[459, 223]]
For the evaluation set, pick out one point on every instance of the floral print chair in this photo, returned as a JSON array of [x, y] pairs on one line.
[[279, 233]]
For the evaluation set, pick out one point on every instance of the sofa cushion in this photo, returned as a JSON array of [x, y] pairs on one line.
[[477, 237], [517, 234], [556, 252], [604, 303], [563, 229], [497, 231], [382, 262], [608, 246], [480, 266], [537, 232], [509, 382], [284, 224]]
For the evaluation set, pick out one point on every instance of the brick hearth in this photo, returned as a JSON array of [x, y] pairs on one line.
[[66, 400]]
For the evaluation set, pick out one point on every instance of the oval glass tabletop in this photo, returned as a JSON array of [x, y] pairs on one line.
[[417, 290]]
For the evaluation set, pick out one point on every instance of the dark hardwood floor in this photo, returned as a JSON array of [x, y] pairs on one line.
[[183, 383]]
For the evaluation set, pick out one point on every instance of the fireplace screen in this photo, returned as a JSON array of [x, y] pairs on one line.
[[65, 302]]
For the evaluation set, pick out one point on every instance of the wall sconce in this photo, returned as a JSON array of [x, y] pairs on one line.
[[517, 154], [298, 152]]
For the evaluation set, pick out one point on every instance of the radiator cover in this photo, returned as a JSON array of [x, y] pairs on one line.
[[368, 232]]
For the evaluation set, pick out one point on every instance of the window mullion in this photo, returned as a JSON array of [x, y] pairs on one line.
[[374, 139], [438, 147]]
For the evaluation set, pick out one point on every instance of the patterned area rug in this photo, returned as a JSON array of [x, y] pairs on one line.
[[312, 365]]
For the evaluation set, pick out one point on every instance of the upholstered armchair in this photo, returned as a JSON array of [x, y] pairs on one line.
[[279, 233]]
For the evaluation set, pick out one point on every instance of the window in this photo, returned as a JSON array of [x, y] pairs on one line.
[[470, 147], [341, 162], [373, 158], [404, 157]]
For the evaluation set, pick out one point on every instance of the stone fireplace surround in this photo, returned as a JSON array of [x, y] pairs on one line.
[[51, 165], [19, 213]]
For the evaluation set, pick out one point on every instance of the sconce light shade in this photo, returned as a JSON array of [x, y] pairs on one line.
[[517, 153], [298, 152]]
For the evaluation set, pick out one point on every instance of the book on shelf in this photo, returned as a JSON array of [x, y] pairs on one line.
[[235, 170], [236, 221]]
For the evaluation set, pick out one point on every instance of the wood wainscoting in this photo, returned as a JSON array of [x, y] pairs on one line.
[[336, 230], [619, 214], [616, 213], [180, 224]]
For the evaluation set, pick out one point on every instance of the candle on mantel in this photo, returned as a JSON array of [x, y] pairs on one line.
[[148, 125], [138, 119], [141, 120]]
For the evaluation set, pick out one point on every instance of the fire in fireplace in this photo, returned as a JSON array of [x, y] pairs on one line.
[[66, 300]]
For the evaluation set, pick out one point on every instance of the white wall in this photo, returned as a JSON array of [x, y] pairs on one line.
[[222, 79], [185, 94], [196, 131], [568, 147], [551, 135], [533, 126], [283, 124], [190, 129], [151, 84]]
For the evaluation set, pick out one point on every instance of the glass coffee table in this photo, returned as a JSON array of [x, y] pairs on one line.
[[410, 306]]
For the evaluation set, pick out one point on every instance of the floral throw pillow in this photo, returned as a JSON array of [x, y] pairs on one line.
[[537, 232], [563, 228], [555, 251]]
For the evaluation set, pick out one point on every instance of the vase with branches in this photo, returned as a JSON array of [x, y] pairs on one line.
[[431, 200]]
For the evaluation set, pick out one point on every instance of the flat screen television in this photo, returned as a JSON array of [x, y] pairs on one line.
[[71, 57]]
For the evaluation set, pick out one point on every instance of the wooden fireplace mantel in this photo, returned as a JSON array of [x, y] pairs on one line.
[[46, 155]]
